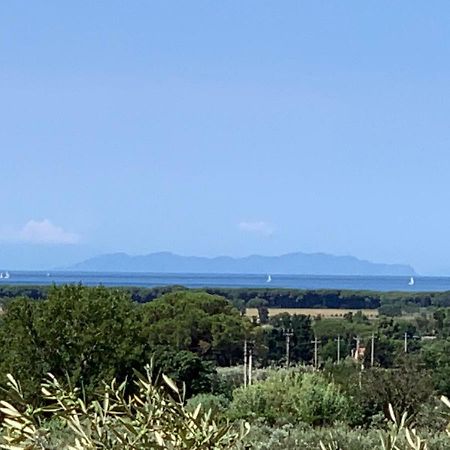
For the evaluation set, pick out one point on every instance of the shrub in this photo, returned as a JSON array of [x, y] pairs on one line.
[[293, 397], [406, 388], [319, 402]]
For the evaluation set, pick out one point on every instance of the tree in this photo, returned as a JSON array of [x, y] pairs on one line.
[[262, 306], [439, 317], [207, 325], [385, 352], [390, 309], [85, 334], [436, 356], [186, 367]]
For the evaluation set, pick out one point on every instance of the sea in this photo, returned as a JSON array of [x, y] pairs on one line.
[[372, 283]]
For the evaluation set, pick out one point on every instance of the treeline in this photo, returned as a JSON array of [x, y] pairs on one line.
[[41, 292], [32, 292], [391, 302], [299, 298], [334, 298]]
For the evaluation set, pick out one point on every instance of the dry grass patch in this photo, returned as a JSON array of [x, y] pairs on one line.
[[314, 312]]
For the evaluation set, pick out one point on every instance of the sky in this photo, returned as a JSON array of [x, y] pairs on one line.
[[225, 128]]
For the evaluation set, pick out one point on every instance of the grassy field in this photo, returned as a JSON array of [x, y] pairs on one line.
[[313, 312]]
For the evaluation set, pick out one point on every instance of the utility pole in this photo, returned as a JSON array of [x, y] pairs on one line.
[[250, 363], [406, 342], [372, 350], [339, 349], [315, 341], [288, 333], [357, 339], [245, 363]]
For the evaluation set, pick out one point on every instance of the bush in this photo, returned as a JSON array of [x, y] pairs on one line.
[[292, 397], [406, 388], [320, 402]]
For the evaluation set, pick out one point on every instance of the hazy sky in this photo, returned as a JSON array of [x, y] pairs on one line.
[[229, 127]]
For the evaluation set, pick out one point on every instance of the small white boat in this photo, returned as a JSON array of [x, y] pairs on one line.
[[269, 279], [411, 281], [1, 275], [7, 275]]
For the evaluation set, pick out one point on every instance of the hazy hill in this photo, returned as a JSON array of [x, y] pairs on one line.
[[291, 263]]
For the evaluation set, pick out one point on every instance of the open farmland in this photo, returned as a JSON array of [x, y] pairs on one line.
[[313, 312]]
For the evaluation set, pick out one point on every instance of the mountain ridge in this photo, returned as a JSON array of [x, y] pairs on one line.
[[295, 263]]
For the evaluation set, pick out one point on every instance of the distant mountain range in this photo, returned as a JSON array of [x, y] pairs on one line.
[[289, 264]]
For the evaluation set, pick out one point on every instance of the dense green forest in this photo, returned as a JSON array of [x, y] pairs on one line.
[[305, 385], [390, 302]]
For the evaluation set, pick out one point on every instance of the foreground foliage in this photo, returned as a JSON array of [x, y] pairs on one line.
[[338, 437], [157, 417], [152, 418]]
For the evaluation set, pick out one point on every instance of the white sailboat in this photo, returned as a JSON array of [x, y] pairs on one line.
[[6, 275], [411, 281], [269, 279], [1, 275]]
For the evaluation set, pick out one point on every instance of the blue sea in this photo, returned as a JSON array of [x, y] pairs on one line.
[[375, 283]]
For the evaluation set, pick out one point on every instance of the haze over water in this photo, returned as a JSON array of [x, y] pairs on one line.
[[375, 283]]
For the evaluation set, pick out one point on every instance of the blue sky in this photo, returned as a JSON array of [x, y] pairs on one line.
[[230, 127]]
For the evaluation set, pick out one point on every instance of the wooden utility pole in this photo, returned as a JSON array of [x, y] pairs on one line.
[[339, 348], [245, 363], [288, 333], [315, 341], [250, 362], [357, 339], [372, 350]]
